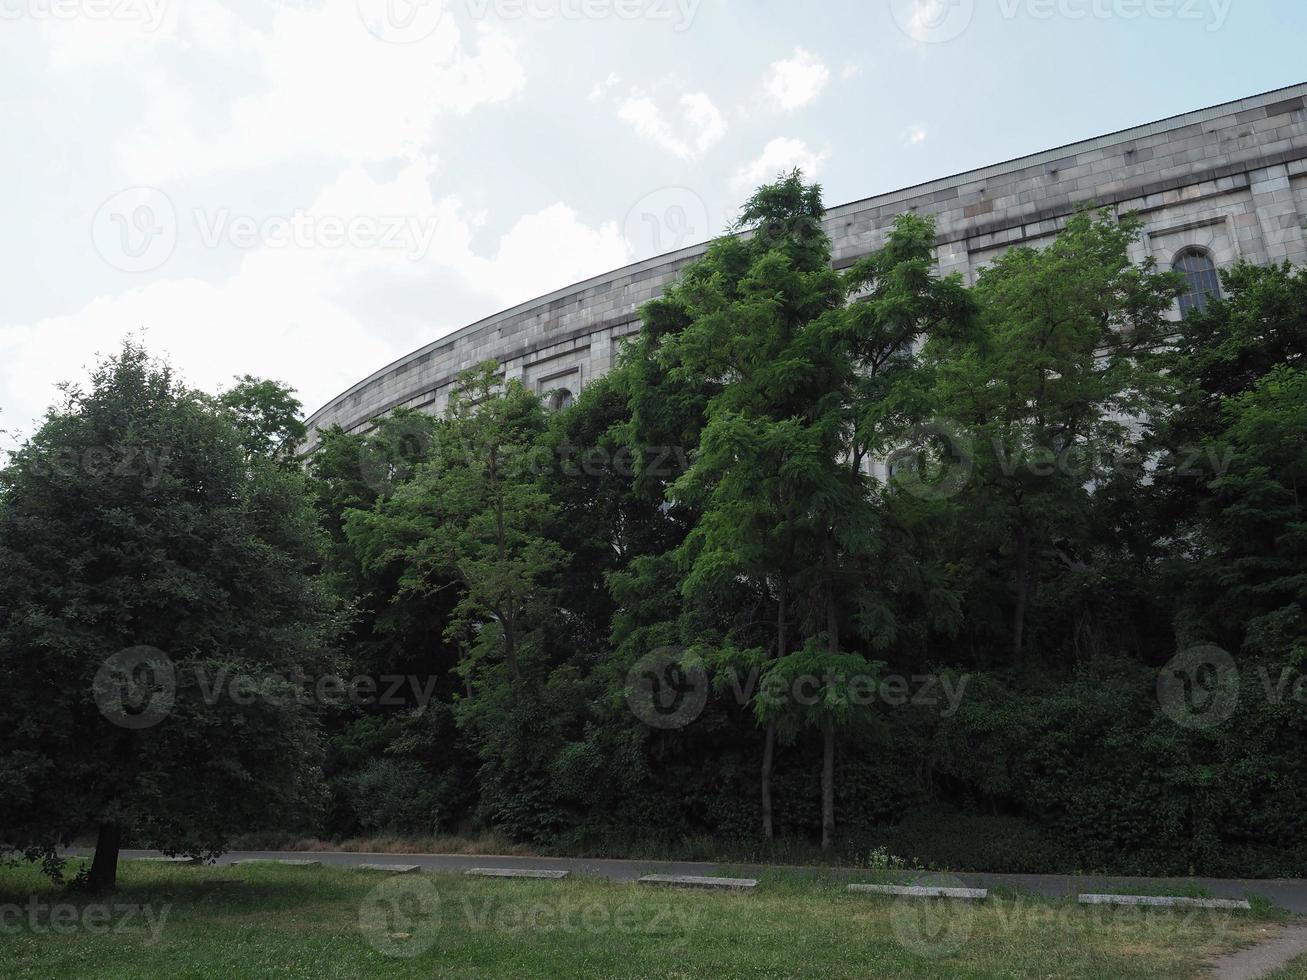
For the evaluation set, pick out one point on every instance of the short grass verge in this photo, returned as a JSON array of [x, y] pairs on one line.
[[258, 921], [1297, 970]]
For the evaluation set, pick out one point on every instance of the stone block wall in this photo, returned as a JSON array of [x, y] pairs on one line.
[[1230, 180]]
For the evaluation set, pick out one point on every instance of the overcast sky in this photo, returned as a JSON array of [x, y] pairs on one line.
[[308, 189]]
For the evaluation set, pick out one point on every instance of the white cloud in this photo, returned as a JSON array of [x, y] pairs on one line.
[[915, 135], [211, 332], [286, 303], [797, 81], [702, 125], [551, 249], [602, 88], [781, 155], [135, 31], [314, 83], [850, 70]]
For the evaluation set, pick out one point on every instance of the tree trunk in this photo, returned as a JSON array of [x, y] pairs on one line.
[[1022, 592], [832, 605], [509, 615], [828, 727], [104, 866], [828, 786], [769, 741]]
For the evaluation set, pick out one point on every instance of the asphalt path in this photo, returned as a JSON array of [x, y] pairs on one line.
[[1290, 894]]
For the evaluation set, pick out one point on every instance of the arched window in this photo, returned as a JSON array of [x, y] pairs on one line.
[[1200, 277], [561, 399]]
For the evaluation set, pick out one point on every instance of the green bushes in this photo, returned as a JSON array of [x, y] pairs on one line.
[[1027, 542], [394, 796]]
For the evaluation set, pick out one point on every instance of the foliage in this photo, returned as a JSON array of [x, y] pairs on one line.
[[267, 414], [811, 496], [134, 518]]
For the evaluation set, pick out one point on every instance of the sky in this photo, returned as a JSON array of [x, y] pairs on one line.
[[308, 189]]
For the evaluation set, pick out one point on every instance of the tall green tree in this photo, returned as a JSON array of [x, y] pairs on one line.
[[474, 520], [1215, 355], [267, 413], [1055, 393], [156, 612], [787, 509]]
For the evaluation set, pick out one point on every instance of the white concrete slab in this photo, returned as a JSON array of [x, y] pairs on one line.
[[923, 891], [287, 863], [1162, 901], [164, 860], [516, 873], [694, 881], [395, 869]]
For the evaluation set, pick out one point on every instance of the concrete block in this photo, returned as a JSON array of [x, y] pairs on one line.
[[516, 873], [694, 881], [923, 891], [284, 862], [1166, 902], [397, 869], [166, 860]]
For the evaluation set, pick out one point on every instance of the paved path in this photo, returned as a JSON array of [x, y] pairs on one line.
[[1290, 894], [1264, 958]]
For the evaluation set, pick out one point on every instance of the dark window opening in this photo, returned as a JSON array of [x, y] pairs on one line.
[[1200, 278]]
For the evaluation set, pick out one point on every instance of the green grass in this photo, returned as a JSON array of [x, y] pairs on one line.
[[1296, 970], [325, 923]]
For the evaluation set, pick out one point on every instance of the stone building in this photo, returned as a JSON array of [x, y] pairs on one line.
[[1213, 186]]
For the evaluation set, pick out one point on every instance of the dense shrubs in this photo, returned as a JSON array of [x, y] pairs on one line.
[[1028, 543]]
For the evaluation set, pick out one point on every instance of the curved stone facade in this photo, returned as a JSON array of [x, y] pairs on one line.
[[1229, 182]]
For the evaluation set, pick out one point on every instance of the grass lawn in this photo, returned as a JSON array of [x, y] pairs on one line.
[[261, 921], [1297, 970]]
